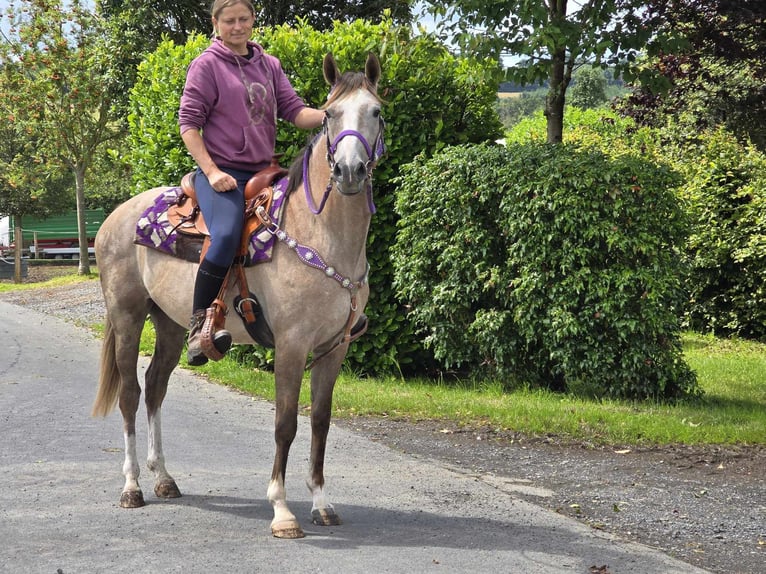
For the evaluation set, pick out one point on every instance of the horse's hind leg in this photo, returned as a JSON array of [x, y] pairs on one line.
[[167, 350], [124, 330], [323, 377]]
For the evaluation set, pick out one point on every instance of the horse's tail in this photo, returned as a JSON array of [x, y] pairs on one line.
[[109, 376]]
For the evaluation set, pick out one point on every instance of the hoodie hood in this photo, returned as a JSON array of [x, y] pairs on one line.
[[220, 50]]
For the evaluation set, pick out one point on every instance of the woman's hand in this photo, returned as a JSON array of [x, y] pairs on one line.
[[221, 181], [309, 118]]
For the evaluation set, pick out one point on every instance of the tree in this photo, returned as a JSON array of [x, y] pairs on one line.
[[550, 39], [155, 19], [66, 80], [147, 22], [718, 76], [320, 14], [25, 187], [589, 88]]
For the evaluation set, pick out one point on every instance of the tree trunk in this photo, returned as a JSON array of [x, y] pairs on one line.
[[19, 241], [554, 101], [558, 79], [82, 234]]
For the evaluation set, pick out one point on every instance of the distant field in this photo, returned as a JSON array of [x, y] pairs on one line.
[[509, 94]]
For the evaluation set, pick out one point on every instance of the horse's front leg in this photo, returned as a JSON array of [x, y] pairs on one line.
[[323, 378], [288, 373]]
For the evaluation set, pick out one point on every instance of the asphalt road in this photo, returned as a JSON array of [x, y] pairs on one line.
[[60, 479]]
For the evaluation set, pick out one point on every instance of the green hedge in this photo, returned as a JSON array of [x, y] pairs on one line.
[[723, 191], [546, 265], [433, 99]]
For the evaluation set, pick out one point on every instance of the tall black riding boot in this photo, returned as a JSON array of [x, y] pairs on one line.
[[206, 287]]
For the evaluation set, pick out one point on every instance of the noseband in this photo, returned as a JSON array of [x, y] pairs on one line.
[[373, 155]]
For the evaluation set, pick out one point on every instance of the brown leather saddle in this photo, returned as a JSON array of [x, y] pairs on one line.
[[186, 217]]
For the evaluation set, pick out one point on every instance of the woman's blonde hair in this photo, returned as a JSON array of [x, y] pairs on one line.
[[219, 5]]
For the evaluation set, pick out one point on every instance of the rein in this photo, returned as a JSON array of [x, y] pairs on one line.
[[373, 155]]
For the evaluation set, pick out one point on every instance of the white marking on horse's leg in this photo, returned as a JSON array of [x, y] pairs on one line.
[[284, 524], [155, 460], [322, 512], [130, 468], [131, 496], [318, 496], [164, 484]]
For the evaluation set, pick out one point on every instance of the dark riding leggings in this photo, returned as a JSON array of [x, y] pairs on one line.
[[224, 216]]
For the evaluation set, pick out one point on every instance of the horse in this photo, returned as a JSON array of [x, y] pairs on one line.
[[307, 303]]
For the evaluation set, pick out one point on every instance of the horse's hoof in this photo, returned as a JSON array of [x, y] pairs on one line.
[[132, 499], [167, 489], [289, 529], [325, 517]]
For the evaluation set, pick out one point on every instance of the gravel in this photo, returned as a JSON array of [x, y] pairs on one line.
[[704, 505]]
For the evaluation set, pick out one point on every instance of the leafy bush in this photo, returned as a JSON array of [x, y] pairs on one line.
[[723, 192], [433, 99], [725, 189], [547, 265], [157, 154]]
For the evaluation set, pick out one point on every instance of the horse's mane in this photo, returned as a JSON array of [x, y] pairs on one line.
[[348, 82], [295, 172]]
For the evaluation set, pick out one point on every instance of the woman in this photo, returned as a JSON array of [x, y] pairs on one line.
[[233, 95]]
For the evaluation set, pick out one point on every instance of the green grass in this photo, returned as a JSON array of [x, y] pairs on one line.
[[67, 279], [732, 411], [732, 374]]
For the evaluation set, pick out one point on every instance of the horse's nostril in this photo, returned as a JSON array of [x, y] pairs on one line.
[[361, 170], [337, 171]]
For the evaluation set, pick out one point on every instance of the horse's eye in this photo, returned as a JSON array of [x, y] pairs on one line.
[[328, 114], [376, 113]]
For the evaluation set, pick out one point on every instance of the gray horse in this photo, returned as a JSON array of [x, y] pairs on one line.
[[309, 304]]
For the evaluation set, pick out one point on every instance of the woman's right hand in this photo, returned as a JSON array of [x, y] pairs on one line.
[[221, 181]]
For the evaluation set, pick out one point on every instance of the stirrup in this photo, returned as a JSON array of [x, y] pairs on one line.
[[215, 344]]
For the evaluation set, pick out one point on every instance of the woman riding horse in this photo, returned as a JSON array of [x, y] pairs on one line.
[[233, 95], [314, 288]]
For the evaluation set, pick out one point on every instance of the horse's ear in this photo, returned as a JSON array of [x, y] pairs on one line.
[[372, 69], [330, 69]]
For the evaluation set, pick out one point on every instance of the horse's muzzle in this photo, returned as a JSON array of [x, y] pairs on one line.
[[350, 180]]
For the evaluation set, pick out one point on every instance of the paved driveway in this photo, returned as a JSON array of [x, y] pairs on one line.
[[61, 478]]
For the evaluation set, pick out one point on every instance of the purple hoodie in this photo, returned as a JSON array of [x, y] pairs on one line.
[[236, 103]]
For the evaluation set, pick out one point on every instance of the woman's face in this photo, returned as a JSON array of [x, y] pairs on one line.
[[235, 27]]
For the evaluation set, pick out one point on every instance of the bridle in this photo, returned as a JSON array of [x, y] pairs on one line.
[[374, 153]]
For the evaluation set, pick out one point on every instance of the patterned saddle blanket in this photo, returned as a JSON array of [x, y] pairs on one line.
[[155, 230]]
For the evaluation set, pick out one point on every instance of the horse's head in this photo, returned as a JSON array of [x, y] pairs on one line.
[[353, 125]]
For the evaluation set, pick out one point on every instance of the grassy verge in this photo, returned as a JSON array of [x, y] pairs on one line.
[[66, 277], [733, 410], [732, 374]]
